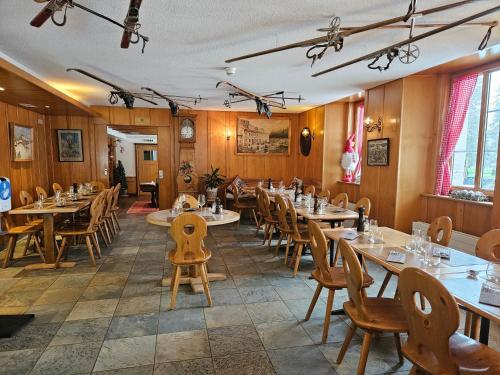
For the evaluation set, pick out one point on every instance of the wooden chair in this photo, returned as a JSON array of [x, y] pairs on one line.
[[341, 200], [27, 199], [440, 230], [107, 216], [270, 219], [13, 233], [433, 345], [57, 188], [325, 194], [260, 210], [332, 278], [441, 225], [191, 202], [300, 238], [372, 315], [311, 189], [115, 206], [366, 204], [488, 248], [243, 204], [102, 226], [40, 191], [84, 230], [188, 231], [97, 186], [284, 225]]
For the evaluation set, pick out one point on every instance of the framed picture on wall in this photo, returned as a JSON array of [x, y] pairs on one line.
[[21, 142], [70, 144], [255, 136], [378, 152]]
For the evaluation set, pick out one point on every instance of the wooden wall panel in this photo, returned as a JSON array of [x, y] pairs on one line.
[[167, 184], [351, 189]]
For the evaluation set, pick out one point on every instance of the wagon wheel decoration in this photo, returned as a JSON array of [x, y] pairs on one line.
[[409, 53]]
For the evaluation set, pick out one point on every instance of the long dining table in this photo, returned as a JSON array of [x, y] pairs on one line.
[[48, 211], [453, 272]]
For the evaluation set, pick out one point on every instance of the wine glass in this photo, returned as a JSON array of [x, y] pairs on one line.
[[201, 200], [493, 275]]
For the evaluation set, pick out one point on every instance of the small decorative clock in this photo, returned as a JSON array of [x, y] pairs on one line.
[[187, 130]]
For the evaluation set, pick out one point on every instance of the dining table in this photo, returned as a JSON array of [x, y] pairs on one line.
[[48, 210], [462, 274], [165, 218]]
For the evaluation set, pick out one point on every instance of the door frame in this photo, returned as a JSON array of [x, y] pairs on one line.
[[137, 181]]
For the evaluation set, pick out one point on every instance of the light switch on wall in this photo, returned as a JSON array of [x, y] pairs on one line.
[[160, 174], [105, 171]]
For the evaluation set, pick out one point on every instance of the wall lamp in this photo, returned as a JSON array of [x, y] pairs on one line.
[[228, 134], [306, 132], [371, 125]]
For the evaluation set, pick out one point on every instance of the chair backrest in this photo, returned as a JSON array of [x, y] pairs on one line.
[[319, 249], [116, 195], [191, 202], [97, 210], [282, 206], [25, 198], [341, 200], [97, 186], [8, 222], [429, 330], [488, 246], [266, 203], [41, 191], [236, 193], [354, 277], [443, 226], [57, 188], [325, 193], [366, 204], [188, 231], [311, 189], [258, 191], [108, 201]]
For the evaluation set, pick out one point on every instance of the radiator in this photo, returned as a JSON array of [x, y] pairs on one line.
[[460, 241]]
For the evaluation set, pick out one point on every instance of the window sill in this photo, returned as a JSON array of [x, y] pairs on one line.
[[444, 197], [348, 183]]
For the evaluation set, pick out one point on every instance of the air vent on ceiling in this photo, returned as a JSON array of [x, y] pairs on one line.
[[27, 105]]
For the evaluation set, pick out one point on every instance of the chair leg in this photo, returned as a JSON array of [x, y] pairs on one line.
[[297, 259], [468, 323], [266, 231], [39, 248], [259, 224], [103, 235], [475, 327], [91, 251], [115, 216], [61, 250], [387, 278], [10, 250], [397, 340], [96, 244], [313, 301], [288, 242], [336, 257], [176, 281], [272, 228], [365, 349], [347, 341], [279, 244], [172, 279], [27, 244], [204, 280], [106, 229], [255, 217], [328, 315]]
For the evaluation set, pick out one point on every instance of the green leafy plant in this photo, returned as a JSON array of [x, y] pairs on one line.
[[120, 176], [213, 179]]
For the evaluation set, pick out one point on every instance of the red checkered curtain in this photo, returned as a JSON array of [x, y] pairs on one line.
[[461, 92]]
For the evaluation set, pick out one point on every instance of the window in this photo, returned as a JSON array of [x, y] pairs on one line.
[[150, 155], [474, 159]]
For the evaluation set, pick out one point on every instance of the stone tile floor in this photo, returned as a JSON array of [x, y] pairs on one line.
[[114, 318]]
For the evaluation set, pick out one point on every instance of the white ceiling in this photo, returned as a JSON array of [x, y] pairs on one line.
[[190, 39]]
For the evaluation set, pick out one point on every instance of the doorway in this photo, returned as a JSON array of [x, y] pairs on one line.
[[146, 161]]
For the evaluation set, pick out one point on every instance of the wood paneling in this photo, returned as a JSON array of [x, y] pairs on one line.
[[23, 175], [468, 217], [351, 189]]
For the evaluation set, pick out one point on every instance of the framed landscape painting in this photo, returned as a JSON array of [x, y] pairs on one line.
[[255, 136], [70, 145], [378, 152], [21, 142]]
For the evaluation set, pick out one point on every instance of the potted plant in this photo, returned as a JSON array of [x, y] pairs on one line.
[[186, 170], [212, 181], [120, 177]]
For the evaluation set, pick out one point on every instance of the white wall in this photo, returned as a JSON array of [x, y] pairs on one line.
[[127, 157]]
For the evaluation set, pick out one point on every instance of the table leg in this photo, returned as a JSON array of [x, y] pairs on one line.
[[484, 331]]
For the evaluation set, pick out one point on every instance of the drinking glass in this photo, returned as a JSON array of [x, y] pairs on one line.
[[373, 225], [201, 200], [493, 275], [58, 195]]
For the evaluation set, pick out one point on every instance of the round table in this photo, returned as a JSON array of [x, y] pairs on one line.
[[164, 218]]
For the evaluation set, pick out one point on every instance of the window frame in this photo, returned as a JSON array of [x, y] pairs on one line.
[[480, 142]]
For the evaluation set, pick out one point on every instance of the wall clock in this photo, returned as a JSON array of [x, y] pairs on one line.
[[187, 130]]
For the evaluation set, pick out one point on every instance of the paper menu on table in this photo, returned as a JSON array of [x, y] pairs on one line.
[[396, 257], [489, 295]]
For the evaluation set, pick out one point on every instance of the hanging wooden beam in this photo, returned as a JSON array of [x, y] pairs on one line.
[[352, 31], [410, 40]]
